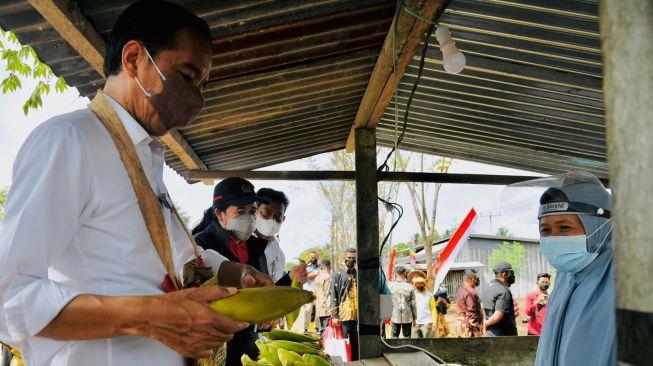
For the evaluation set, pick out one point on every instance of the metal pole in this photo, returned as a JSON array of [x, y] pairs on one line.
[[626, 34], [367, 238]]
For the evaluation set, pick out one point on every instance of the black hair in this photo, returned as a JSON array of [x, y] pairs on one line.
[[209, 215], [543, 275], [469, 274], [155, 23], [272, 195], [351, 250], [326, 262]]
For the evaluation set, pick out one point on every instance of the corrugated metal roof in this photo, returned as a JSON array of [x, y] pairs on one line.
[[530, 96], [287, 76]]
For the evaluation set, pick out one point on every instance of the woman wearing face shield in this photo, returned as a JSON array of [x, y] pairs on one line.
[[575, 229]]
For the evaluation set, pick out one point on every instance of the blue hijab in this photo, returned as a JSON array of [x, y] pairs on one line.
[[580, 326]]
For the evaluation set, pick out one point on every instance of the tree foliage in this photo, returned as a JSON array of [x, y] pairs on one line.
[[425, 203], [3, 198], [503, 231], [513, 253], [21, 62]]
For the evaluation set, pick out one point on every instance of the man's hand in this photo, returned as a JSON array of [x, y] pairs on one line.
[[298, 272], [414, 323], [434, 328], [335, 321], [516, 308], [253, 278], [182, 320], [541, 299]]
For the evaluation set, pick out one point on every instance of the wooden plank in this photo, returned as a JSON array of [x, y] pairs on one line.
[[66, 18], [378, 361], [312, 175], [409, 359], [482, 351], [380, 88], [178, 144]]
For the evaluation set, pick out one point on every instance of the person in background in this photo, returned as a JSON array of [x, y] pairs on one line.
[[344, 300], [322, 292], [425, 310], [312, 270], [498, 303], [442, 303], [576, 239], [269, 219], [536, 304], [227, 228], [469, 308], [403, 304]]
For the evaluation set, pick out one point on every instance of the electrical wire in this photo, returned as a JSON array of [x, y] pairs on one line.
[[434, 357]]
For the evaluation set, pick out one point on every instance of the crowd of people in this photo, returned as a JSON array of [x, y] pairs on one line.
[[96, 267]]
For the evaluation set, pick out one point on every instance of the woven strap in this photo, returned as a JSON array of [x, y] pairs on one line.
[[147, 200]]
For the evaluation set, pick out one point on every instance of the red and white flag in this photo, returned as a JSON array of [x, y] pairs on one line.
[[453, 247]]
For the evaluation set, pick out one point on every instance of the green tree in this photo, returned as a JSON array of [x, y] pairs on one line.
[[3, 198], [322, 252], [21, 62], [513, 253], [422, 199], [503, 231]]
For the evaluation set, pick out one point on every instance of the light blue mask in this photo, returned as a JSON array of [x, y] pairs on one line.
[[567, 253]]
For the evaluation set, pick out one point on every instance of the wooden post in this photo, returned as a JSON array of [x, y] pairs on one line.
[[626, 33], [367, 234]]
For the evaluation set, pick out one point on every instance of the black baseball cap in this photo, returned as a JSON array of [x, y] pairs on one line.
[[234, 191], [502, 267], [401, 270]]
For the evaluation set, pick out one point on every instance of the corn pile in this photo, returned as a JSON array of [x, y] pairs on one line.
[[262, 304], [285, 348]]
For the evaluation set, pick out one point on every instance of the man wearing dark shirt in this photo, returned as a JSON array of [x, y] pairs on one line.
[[498, 304]]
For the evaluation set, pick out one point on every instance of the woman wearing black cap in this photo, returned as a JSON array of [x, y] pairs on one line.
[[227, 228]]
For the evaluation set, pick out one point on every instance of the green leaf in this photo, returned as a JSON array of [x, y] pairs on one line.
[[12, 37], [39, 71], [61, 85], [2, 46], [11, 83]]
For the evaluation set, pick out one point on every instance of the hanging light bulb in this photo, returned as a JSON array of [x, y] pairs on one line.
[[454, 61]]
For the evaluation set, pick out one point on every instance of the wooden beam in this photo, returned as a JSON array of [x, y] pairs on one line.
[[410, 32], [322, 175], [178, 144], [367, 244], [67, 19]]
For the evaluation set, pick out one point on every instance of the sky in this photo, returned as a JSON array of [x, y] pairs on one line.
[[307, 222]]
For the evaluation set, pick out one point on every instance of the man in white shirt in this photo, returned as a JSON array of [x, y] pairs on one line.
[[80, 280]]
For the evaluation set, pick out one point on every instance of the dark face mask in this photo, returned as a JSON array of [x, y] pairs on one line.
[[477, 282], [314, 261], [420, 288], [350, 263], [178, 103], [511, 279], [544, 287]]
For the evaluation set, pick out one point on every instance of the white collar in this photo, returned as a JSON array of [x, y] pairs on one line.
[[134, 129]]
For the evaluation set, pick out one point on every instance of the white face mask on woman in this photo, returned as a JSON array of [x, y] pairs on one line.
[[242, 226], [267, 227]]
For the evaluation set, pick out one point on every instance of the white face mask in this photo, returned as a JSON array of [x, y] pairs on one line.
[[267, 227], [242, 226]]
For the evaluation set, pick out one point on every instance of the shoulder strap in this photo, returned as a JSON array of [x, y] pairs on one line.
[[147, 200]]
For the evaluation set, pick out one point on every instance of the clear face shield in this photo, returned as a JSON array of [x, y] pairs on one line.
[[576, 193], [523, 202]]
